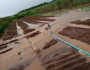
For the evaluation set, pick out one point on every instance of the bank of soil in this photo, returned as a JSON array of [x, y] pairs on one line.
[[85, 22], [78, 33], [11, 32], [22, 25], [37, 19], [64, 59], [34, 34], [28, 30]]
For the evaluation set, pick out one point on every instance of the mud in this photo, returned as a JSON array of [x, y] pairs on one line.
[[37, 19], [62, 62], [52, 42], [3, 46], [18, 68], [6, 50], [83, 66], [85, 22], [81, 34], [67, 60], [22, 25], [11, 32], [28, 30], [34, 34]]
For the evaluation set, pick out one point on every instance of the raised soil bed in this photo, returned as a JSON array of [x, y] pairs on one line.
[[86, 22], [78, 33]]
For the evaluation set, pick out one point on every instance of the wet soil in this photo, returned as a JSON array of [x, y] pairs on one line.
[[11, 32], [3, 46], [52, 42], [86, 22], [37, 19], [6, 50], [68, 59], [22, 25], [82, 34], [28, 30], [18, 68], [34, 34]]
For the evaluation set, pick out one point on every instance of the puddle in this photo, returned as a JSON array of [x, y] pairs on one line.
[[32, 25], [85, 18], [82, 26], [36, 65], [19, 30], [81, 15]]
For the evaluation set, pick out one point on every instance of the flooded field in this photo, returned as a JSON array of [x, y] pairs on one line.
[[27, 44]]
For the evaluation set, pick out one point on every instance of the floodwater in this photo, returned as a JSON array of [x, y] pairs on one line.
[[25, 46], [35, 65], [19, 30], [32, 25]]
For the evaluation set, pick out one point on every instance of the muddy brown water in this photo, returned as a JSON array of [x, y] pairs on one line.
[[58, 56]]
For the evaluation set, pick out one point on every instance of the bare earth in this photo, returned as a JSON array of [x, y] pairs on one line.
[[36, 49]]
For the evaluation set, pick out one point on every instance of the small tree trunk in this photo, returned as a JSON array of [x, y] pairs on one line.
[[60, 7], [66, 6]]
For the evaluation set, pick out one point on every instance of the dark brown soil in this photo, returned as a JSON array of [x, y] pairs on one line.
[[63, 61], [6, 51], [18, 68], [3, 46], [33, 34], [11, 32], [37, 19], [22, 25], [83, 66], [67, 59], [86, 22], [81, 34], [28, 30], [52, 42]]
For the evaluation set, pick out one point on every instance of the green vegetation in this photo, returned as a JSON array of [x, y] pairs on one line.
[[43, 8]]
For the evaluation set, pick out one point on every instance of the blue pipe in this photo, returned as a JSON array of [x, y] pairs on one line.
[[69, 44]]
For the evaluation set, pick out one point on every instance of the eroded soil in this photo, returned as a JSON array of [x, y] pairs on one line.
[[86, 22], [81, 34], [36, 49]]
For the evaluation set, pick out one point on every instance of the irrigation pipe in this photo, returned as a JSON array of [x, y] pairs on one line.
[[67, 42]]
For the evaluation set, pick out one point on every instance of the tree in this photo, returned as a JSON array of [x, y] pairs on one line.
[[71, 2], [66, 2], [59, 4]]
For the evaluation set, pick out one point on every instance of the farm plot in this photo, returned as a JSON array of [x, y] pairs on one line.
[[24, 26], [37, 19], [78, 33], [86, 22], [11, 32], [64, 59]]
